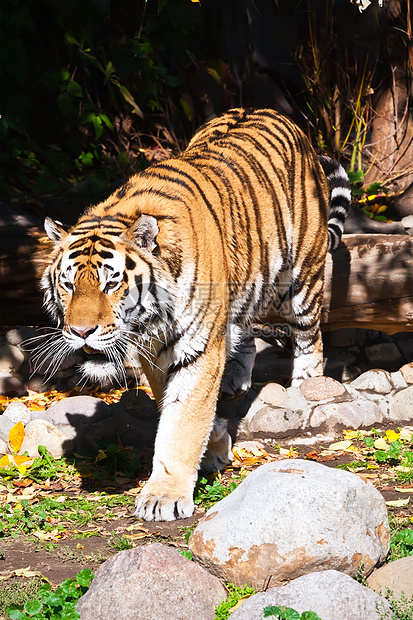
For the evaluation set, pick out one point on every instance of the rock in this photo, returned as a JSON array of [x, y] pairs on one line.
[[398, 381], [402, 408], [273, 394], [374, 380], [407, 221], [139, 405], [396, 576], [148, 582], [405, 345], [384, 355], [78, 410], [320, 388], [407, 372], [3, 447], [43, 433], [275, 421], [11, 386], [352, 414], [40, 415], [11, 359], [5, 427], [20, 335], [290, 518], [18, 412], [330, 594]]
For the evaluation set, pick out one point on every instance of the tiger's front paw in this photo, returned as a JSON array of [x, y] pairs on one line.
[[162, 505]]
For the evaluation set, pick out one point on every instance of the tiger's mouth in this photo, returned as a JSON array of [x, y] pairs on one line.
[[97, 366]]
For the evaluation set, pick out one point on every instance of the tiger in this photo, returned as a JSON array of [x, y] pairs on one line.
[[176, 265]]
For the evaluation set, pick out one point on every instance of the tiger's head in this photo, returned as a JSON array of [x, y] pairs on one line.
[[106, 289]]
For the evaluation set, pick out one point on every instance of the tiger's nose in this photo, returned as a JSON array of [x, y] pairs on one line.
[[83, 332]]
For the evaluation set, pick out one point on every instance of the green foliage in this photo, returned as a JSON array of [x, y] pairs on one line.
[[401, 539], [223, 611], [54, 605], [80, 78], [287, 613], [19, 593], [209, 494]]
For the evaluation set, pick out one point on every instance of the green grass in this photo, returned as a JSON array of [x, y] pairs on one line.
[[288, 613], [120, 543], [401, 538], [49, 513], [223, 611], [18, 593], [402, 608]]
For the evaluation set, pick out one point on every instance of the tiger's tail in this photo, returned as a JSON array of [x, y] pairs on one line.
[[340, 198]]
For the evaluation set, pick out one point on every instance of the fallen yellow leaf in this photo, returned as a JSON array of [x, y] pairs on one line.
[[5, 460], [340, 445], [26, 572], [16, 436], [381, 444], [398, 503], [392, 435], [402, 490], [136, 536], [351, 434], [53, 536]]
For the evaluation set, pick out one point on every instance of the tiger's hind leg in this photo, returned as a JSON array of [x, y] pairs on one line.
[[238, 368], [302, 309], [218, 453]]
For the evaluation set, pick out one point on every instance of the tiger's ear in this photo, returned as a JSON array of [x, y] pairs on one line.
[[55, 230], [144, 232]]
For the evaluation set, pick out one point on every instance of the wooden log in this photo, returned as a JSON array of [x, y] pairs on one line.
[[368, 282]]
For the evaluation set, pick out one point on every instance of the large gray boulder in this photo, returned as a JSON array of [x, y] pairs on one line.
[[151, 582], [330, 594], [290, 518]]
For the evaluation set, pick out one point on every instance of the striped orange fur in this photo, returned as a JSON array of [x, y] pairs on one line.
[[175, 266]]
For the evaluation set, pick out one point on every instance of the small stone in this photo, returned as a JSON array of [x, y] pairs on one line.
[[406, 347], [330, 594], [351, 414], [321, 388], [11, 386], [40, 415], [402, 408], [5, 427], [42, 433], [78, 410], [18, 412], [374, 380], [20, 335], [384, 355], [139, 405], [407, 372], [273, 394], [151, 582], [407, 221], [399, 382], [3, 447], [11, 359], [275, 421], [397, 576]]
